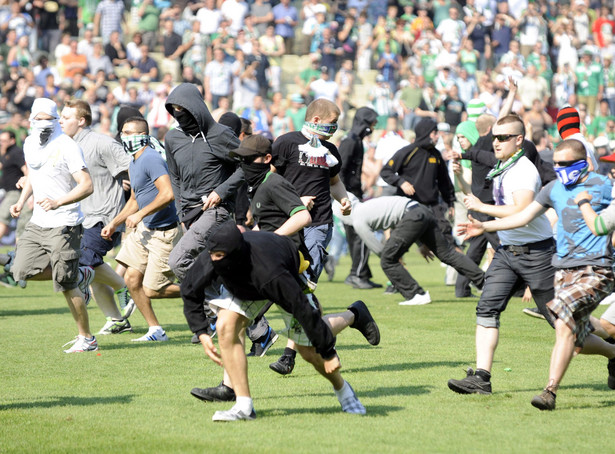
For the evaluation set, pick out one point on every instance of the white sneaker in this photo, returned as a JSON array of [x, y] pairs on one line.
[[156, 335], [87, 276], [127, 304], [608, 300], [417, 300], [115, 327], [82, 344], [234, 414]]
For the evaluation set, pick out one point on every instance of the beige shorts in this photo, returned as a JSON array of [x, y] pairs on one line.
[[147, 251], [250, 309]]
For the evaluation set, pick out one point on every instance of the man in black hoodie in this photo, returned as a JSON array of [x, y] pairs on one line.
[[419, 172], [351, 150], [203, 175]]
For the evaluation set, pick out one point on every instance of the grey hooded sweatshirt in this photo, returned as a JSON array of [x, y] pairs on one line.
[[201, 163]]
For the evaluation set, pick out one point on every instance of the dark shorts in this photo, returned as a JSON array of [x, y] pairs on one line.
[[510, 271], [94, 247]]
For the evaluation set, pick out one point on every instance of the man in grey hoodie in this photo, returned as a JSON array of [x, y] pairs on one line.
[[203, 175]]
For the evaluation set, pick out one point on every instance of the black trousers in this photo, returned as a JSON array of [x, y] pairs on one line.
[[476, 251], [359, 253], [420, 224]]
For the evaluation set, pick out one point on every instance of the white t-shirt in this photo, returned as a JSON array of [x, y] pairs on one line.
[[327, 89], [521, 176], [390, 144], [50, 170]]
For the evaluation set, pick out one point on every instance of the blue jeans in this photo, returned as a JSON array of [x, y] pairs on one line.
[[317, 239]]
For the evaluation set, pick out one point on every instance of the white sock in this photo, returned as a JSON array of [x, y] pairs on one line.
[[244, 404], [153, 329], [343, 391]]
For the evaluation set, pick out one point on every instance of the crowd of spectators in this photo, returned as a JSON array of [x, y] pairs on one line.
[[439, 59]]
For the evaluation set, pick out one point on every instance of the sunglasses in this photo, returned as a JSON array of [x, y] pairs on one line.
[[504, 137], [565, 163]]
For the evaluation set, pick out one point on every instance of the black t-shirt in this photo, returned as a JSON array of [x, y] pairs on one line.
[[274, 202], [12, 162], [170, 43], [310, 176], [453, 109]]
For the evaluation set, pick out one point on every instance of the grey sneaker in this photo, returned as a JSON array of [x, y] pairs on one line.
[[127, 304], [234, 414], [545, 400], [115, 327], [472, 384]]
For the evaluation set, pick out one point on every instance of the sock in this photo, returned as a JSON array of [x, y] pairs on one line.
[[153, 329], [244, 404], [289, 352], [482, 373], [343, 391]]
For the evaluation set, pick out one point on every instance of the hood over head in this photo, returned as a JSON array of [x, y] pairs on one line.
[[232, 121], [188, 97], [363, 120], [423, 129], [228, 239]]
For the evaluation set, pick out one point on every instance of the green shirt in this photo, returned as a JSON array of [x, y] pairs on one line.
[[589, 79], [149, 20], [429, 69], [598, 125], [297, 117], [88, 9]]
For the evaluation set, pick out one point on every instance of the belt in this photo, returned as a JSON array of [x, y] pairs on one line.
[[164, 229], [527, 248]]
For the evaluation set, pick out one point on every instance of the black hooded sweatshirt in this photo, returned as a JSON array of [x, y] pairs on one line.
[[421, 165], [200, 163], [258, 266], [351, 150]]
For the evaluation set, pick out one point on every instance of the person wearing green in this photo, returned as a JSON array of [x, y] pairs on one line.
[[598, 124], [296, 111], [148, 23], [589, 74]]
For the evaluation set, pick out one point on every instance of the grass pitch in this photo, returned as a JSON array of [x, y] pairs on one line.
[[134, 397]]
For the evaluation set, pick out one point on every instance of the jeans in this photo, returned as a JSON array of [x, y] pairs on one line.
[[317, 239]]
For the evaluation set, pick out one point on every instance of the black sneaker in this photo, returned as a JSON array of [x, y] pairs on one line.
[[220, 393], [284, 365], [364, 322], [611, 368], [533, 312], [472, 384], [545, 400], [260, 347]]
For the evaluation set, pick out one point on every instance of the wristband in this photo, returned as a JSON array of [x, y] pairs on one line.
[[583, 202]]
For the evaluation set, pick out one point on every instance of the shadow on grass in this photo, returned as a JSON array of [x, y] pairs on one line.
[[21, 313], [130, 344], [396, 391], [61, 401], [406, 366], [372, 410]]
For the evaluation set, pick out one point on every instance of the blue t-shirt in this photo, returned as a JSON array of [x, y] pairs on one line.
[[576, 245], [143, 173]]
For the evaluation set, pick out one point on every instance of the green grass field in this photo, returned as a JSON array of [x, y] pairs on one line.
[[134, 397]]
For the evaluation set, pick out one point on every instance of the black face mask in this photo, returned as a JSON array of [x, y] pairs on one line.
[[45, 134], [255, 173], [187, 122], [228, 239]]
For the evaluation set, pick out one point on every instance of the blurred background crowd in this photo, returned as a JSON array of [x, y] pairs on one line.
[[266, 60]]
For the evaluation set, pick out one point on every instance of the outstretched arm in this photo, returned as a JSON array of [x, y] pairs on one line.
[[599, 224]]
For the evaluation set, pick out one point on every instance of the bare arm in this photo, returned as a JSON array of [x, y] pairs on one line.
[[338, 191], [476, 228], [596, 223], [510, 99], [164, 197], [295, 223]]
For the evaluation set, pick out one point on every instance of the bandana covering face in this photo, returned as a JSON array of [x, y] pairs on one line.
[[187, 122], [314, 148], [570, 175], [255, 173], [134, 143], [42, 129]]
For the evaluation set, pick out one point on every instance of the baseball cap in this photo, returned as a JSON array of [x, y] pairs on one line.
[[254, 145]]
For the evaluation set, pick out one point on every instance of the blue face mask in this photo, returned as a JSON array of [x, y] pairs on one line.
[[570, 175]]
